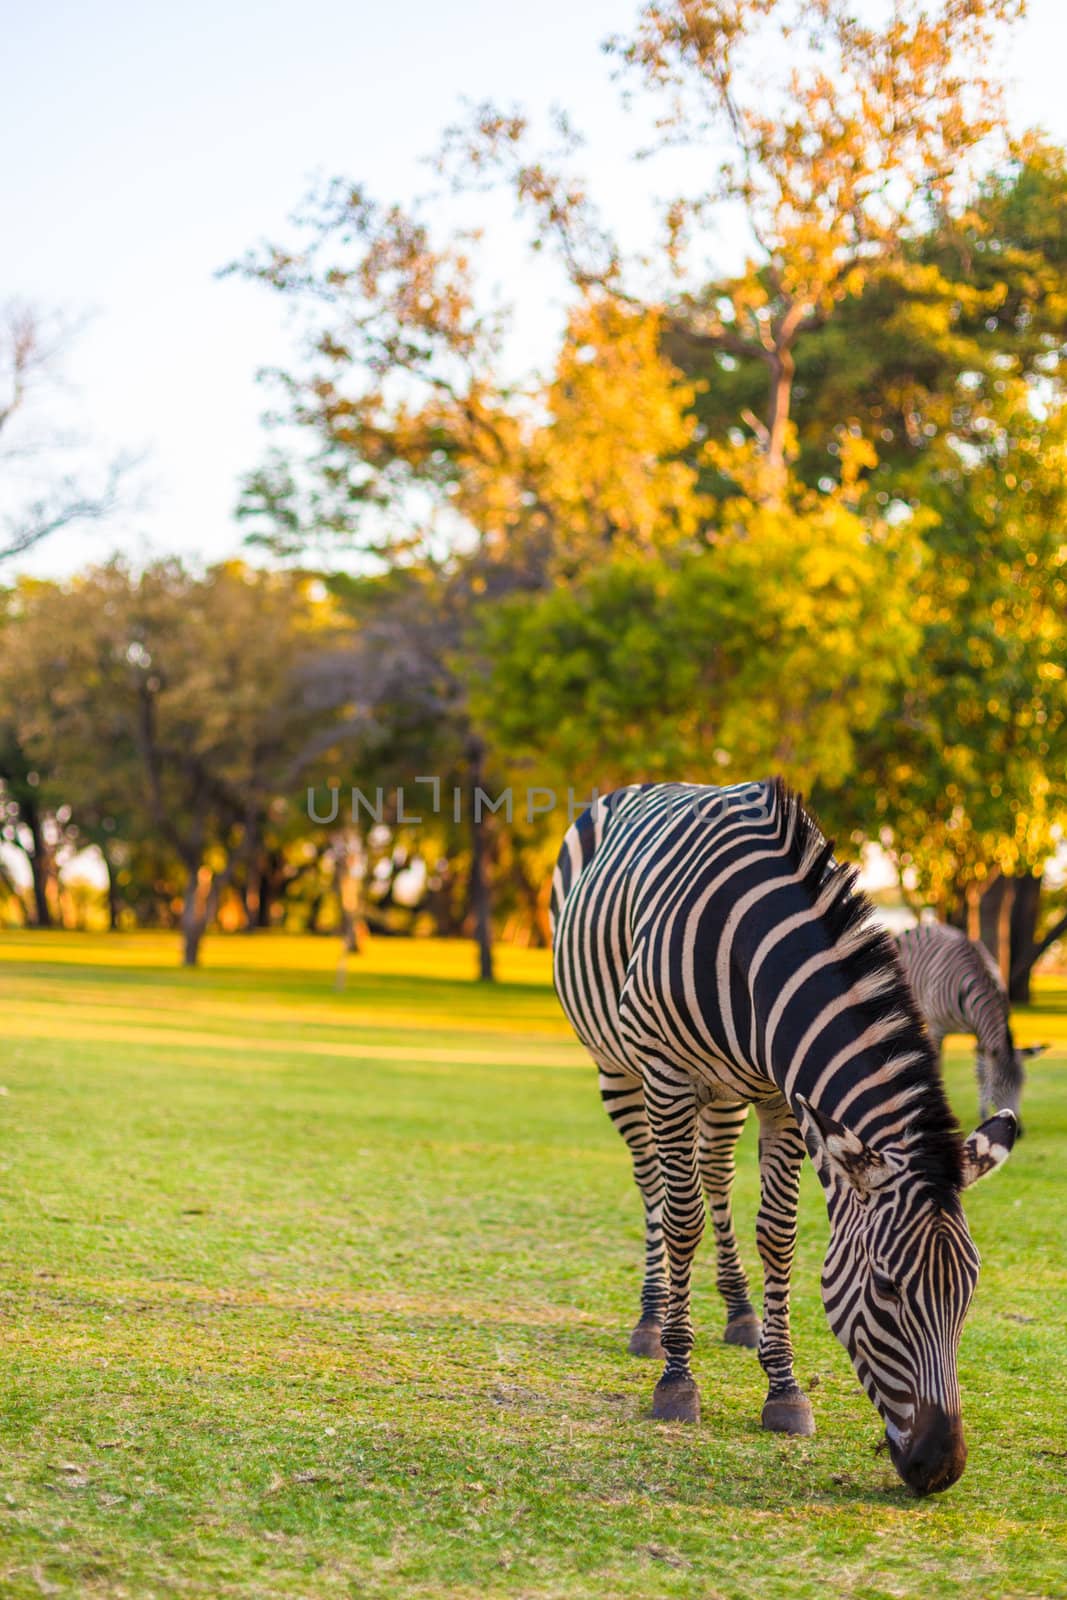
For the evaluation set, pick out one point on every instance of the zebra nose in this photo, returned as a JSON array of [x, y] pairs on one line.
[[1019, 1129], [936, 1455]]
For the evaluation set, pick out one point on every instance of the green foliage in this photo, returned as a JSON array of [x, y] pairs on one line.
[[969, 769], [796, 520], [192, 685], [752, 657], [931, 350], [804, 518], [937, 388]]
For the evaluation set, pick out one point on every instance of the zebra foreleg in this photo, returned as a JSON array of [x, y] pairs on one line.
[[720, 1128], [781, 1151], [672, 1113], [624, 1101]]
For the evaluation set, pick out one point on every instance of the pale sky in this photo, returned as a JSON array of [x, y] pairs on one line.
[[148, 146]]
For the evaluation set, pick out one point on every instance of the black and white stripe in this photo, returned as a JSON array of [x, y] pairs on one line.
[[711, 956], [958, 989]]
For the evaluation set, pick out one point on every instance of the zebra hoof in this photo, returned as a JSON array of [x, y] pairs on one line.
[[645, 1341], [789, 1414], [743, 1330], [676, 1400]]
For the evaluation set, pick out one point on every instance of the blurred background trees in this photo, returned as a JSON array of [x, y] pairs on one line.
[[805, 515]]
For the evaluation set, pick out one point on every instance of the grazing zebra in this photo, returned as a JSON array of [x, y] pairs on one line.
[[958, 989], [710, 956]]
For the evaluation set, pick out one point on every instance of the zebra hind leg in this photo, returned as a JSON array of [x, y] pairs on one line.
[[720, 1128], [787, 1409], [672, 1115], [624, 1101]]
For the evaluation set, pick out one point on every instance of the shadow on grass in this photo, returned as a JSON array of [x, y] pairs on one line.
[[243, 980]]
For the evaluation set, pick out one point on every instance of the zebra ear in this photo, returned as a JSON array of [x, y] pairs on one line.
[[836, 1149], [989, 1146]]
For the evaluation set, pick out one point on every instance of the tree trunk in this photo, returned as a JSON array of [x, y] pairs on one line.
[[40, 867], [479, 880], [1027, 948], [779, 401], [1024, 946], [1008, 917], [348, 897], [1004, 911], [441, 902], [258, 896], [192, 934], [349, 931], [112, 892], [250, 899], [198, 908], [536, 897], [973, 926], [265, 902]]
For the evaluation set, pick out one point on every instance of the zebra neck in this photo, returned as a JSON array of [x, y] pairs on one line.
[[886, 1101], [994, 1037], [841, 1033]]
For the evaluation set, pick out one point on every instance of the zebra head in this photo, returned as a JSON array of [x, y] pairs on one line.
[[898, 1278], [1001, 1076]]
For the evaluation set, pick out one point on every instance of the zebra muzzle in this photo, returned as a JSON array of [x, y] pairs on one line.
[[935, 1454]]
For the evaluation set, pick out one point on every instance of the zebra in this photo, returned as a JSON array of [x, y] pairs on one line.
[[710, 955], [958, 989]]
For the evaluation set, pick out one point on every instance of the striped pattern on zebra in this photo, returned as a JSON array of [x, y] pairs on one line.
[[711, 956], [958, 989]]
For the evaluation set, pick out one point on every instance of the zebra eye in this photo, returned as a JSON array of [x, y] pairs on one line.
[[884, 1287]]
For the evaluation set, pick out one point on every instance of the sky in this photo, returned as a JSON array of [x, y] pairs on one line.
[[147, 147]]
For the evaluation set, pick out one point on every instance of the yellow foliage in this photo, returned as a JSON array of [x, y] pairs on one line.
[[609, 460]]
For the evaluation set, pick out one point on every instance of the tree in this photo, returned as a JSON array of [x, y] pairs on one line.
[[399, 392], [29, 798], [761, 422], [924, 361], [403, 408], [192, 685], [833, 158], [938, 387], [949, 363], [754, 658], [398, 674], [26, 819], [40, 496], [968, 771], [610, 471], [411, 434]]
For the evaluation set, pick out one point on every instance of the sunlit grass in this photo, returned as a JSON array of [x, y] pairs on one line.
[[316, 1290]]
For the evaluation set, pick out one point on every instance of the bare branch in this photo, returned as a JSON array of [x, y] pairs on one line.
[[70, 504]]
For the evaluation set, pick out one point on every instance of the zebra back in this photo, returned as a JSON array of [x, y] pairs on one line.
[[957, 987]]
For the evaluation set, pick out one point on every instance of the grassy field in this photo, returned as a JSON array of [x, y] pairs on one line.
[[308, 1292]]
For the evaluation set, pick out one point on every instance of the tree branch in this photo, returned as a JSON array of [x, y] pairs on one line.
[[1029, 961], [70, 505]]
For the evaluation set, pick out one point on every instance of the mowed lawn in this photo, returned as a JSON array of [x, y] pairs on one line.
[[308, 1291]]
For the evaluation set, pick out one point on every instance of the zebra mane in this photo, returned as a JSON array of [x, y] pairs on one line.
[[868, 961]]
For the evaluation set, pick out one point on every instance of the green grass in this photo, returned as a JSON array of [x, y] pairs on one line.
[[307, 1292]]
